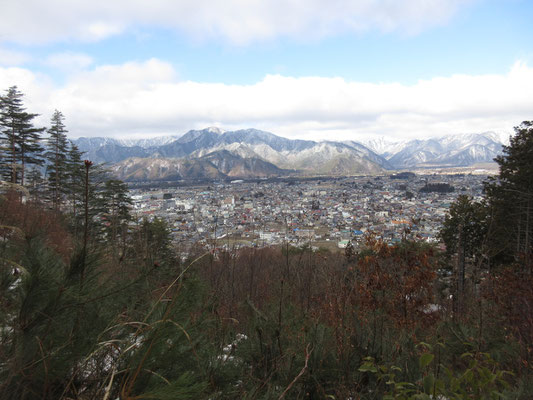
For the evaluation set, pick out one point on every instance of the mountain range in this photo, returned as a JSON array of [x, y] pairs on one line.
[[447, 151], [250, 153]]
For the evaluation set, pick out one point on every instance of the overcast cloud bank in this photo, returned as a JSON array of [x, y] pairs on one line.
[[148, 99], [235, 21]]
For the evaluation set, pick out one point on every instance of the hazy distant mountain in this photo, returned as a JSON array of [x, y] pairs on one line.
[[263, 151], [233, 165], [213, 153], [416, 152], [370, 154], [384, 147], [307, 156], [217, 165], [108, 150], [150, 142], [190, 142], [446, 151], [144, 169]]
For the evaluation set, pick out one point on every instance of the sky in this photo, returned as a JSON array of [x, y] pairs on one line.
[[307, 69]]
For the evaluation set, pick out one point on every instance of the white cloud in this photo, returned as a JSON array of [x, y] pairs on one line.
[[236, 21], [10, 58], [69, 61], [148, 99]]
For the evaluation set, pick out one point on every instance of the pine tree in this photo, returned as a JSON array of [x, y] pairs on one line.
[[56, 156], [4, 149], [511, 199], [154, 243], [75, 173], [116, 205], [30, 147], [11, 106], [21, 140], [36, 184], [94, 195], [466, 219], [464, 233], [92, 191]]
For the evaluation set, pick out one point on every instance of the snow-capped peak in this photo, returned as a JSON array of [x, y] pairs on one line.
[[214, 129], [149, 142]]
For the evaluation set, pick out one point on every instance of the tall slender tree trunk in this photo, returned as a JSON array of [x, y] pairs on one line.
[[460, 270], [23, 165], [56, 179], [86, 227], [519, 233], [527, 246], [13, 159]]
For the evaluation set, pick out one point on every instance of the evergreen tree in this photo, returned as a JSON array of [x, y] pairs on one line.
[[96, 200], [11, 106], [155, 245], [36, 184], [21, 140], [510, 196], [105, 198], [56, 156], [116, 204], [75, 173], [30, 147], [4, 149], [465, 227], [464, 234]]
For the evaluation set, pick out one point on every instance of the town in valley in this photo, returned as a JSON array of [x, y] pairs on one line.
[[320, 212]]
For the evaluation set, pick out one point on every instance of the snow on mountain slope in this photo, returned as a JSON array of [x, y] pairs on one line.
[[450, 150], [458, 150], [384, 147], [309, 157], [150, 142]]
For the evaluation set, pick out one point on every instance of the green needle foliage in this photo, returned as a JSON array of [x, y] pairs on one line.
[[474, 376], [56, 157], [71, 329]]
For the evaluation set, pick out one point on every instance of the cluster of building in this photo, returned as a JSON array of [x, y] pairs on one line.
[[321, 212]]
